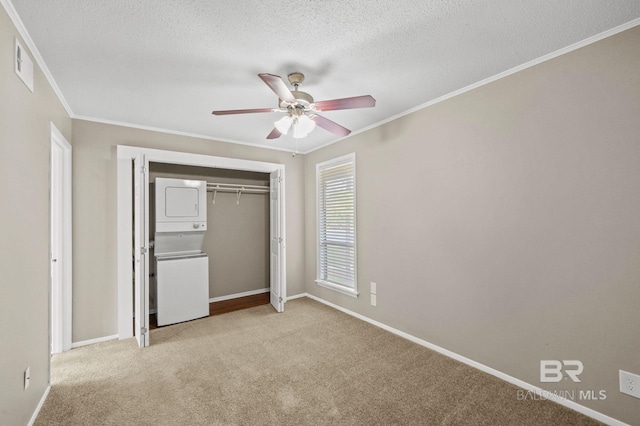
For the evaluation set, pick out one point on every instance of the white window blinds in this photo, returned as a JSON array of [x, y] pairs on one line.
[[337, 223]]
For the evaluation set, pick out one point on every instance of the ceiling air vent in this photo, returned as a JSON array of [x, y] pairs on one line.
[[23, 65]]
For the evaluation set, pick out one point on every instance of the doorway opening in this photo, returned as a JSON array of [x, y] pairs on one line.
[[133, 196]]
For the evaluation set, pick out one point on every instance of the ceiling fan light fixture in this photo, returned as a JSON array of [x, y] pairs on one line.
[[283, 124], [303, 126]]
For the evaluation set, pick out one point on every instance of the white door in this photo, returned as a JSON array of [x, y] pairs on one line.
[[140, 249], [278, 277], [56, 247], [60, 242]]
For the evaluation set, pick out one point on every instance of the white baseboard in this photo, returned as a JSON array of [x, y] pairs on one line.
[[297, 296], [92, 341], [236, 295], [507, 378], [39, 407]]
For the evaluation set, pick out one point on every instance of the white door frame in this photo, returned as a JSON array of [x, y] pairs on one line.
[[60, 199], [125, 156]]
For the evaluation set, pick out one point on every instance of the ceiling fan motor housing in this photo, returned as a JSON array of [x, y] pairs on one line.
[[303, 99]]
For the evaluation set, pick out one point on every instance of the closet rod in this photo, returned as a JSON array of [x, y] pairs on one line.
[[247, 190], [237, 188], [211, 185]]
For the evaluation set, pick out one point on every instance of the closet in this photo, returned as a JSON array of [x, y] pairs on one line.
[[238, 235]]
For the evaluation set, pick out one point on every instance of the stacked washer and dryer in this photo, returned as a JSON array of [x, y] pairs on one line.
[[182, 268]]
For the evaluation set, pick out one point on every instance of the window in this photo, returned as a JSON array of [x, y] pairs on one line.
[[336, 201]]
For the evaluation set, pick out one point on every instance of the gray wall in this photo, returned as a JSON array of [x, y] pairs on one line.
[[94, 208], [237, 237], [504, 224], [24, 229]]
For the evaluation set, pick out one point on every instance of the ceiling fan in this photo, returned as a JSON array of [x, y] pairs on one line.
[[301, 109]]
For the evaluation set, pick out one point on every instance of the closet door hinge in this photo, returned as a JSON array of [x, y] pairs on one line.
[[280, 179], [280, 299], [143, 170], [143, 250], [280, 240], [144, 330]]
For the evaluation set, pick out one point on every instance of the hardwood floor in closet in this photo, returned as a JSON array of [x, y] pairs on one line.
[[217, 308]]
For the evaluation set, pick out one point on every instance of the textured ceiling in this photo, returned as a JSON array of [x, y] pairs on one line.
[[167, 64]]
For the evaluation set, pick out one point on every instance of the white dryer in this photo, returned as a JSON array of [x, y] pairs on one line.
[[182, 268]]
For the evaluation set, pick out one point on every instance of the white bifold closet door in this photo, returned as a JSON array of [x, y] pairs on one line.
[[141, 251], [277, 257]]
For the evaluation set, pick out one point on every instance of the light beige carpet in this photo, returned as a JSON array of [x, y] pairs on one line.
[[311, 365]]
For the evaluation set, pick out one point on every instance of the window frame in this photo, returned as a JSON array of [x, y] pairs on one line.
[[320, 167]]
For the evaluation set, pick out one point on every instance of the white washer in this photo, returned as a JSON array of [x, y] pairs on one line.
[[182, 288]]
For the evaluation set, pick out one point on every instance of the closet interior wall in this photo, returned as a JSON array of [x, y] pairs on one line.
[[237, 238]]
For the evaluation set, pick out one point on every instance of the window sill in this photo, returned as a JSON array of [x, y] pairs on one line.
[[340, 289]]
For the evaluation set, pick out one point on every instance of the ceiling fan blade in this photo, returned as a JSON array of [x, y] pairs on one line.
[[278, 86], [275, 134], [243, 111], [365, 101], [329, 125]]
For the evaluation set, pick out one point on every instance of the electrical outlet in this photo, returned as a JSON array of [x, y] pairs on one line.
[[630, 383], [27, 377]]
